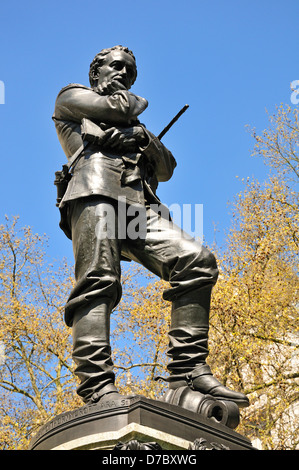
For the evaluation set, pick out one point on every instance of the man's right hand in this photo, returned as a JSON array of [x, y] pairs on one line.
[[108, 88], [128, 139]]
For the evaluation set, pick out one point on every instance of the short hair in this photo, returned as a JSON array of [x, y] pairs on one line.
[[99, 60]]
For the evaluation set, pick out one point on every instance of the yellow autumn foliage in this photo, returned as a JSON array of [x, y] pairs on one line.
[[254, 337]]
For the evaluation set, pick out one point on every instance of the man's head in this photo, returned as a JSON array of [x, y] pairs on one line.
[[116, 66]]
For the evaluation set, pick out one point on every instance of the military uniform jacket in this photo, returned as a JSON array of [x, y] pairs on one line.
[[133, 176]]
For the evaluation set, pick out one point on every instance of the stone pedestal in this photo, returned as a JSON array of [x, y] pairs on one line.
[[136, 423]]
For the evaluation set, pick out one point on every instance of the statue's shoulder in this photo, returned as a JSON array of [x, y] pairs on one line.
[[73, 86]]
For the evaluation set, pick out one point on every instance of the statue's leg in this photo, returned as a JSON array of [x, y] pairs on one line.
[[188, 349], [96, 292], [192, 271], [92, 351]]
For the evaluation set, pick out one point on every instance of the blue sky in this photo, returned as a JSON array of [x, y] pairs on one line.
[[230, 60]]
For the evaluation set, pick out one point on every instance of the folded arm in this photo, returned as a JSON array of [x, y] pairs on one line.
[[116, 114], [138, 139], [76, 103]]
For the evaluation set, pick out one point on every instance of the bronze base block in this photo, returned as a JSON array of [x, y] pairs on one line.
[[137, 423]]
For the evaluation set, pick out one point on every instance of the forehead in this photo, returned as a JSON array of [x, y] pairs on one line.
[[120, 56]]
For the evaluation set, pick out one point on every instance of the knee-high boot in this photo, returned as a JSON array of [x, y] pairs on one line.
[[92, 351], [188, 349]]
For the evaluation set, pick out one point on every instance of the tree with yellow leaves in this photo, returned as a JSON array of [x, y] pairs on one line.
[[254, 315], [36, 371], [255, 310], [139, 337], [279, 143], [254, 333]]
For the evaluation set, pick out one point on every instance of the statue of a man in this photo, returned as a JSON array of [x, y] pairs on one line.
[[121, 160]]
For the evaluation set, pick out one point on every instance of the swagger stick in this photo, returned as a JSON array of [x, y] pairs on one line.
[[166, 129]]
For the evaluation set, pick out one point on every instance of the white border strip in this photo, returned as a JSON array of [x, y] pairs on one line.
[[107, 440]]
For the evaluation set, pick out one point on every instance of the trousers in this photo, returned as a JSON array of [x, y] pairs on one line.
[[103, 233]]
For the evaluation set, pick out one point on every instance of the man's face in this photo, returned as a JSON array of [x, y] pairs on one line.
[[119, 69]]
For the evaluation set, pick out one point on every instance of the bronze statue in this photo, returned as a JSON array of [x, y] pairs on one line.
[[115, 164]]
